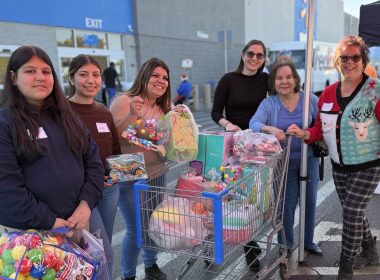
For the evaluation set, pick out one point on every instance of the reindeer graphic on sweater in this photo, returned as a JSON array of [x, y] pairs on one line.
[[361, 120]]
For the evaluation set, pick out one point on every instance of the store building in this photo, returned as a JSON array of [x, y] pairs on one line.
[[202, 38], [65, 29]]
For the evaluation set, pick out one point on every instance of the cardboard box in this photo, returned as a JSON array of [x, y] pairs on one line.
[[214, 148]]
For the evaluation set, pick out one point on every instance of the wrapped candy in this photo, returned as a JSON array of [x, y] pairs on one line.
[[254, 147]]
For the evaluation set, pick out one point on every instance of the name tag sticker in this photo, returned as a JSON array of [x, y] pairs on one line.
[[327, 106], [102, 127], [41, 133]]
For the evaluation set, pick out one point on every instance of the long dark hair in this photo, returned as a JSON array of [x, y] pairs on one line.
[[26, 117], [140, 84], [239, 69], [75, 64], [273, 73]]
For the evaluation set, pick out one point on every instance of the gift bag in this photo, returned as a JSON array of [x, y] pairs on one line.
[[177, 223], [180, 135], [94, 247], [46, 255]]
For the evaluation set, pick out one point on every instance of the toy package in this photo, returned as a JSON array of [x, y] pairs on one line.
[[44, 255], [180, 135], [254, 147], [126, 167]]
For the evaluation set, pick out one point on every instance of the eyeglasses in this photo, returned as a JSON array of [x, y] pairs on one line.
[[259, 56], [354, 58]]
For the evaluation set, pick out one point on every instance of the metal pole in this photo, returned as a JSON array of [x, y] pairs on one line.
[[207, 96], [306, 109], [225, 52]]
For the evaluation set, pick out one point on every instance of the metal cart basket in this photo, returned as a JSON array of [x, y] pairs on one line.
[[219, 234]]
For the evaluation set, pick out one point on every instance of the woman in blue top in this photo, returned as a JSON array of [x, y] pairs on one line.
[[274, 115]]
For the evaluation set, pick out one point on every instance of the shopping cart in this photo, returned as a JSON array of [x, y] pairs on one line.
[[212, 231]]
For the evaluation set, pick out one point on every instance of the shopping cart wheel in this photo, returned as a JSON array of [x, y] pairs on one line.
[[283, 271]]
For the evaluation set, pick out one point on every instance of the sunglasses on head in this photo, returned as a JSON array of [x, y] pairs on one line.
[[250, 54], [354, 58]]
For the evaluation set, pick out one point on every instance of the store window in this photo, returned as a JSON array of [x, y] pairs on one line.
[[89, 39], [65, 38], [114, 41]]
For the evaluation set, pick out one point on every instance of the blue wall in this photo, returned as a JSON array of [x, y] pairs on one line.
[[102, 15], [300, 19]]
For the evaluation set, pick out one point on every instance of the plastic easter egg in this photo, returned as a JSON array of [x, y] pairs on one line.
[[2, 248], [8, 269], [142, 131], [136, 126], [19, 276], [28, 277], [32, 241], [7, 256], [49, 274], [35, 255], [4, 239], [138, 121], [18, 252], [1, 266], [24, 267], [59, 264], [50, 260], [37, 271]]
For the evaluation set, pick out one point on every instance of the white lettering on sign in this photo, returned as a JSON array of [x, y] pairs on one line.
[[94, 23]]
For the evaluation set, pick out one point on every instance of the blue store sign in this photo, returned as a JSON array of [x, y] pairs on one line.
[[107, 16]]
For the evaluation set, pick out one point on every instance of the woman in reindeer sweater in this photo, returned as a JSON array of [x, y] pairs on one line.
[[348, 121]]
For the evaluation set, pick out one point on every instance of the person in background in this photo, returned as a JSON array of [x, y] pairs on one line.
[[239, 93], [110, 77], [142, 107], [85, 82], [183, 91], [370, 71], [275, 114], [282, 56], [348, 121], [51, 174]]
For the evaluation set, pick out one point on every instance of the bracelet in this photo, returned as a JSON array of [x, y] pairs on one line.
[[226, 124]]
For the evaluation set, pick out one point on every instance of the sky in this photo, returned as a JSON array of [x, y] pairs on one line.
[[353, 6]]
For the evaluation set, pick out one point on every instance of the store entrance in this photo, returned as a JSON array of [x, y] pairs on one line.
[[103, 57]]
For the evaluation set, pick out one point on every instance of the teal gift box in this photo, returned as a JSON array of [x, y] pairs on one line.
[[214, 148]]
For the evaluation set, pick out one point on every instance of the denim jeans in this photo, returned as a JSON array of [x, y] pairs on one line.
[[292, 197], [102, 219], [111, 95], [129, 249]]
